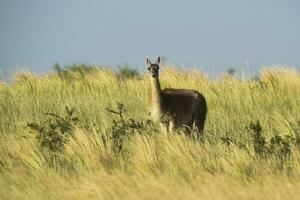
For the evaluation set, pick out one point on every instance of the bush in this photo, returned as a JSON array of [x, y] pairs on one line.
[[259, 141], [277, 145], [74, 71], [125, 72], [123, 128], [54, 132]]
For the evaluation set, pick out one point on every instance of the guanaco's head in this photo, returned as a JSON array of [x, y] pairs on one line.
[[153, 67]]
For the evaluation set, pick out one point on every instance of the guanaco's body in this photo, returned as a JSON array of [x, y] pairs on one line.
[[176, 107]]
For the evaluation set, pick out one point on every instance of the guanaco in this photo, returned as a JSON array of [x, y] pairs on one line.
[[175, 107]]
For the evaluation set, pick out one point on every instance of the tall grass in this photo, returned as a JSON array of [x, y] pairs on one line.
[[152, 164]]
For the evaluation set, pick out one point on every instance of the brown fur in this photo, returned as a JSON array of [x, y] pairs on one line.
[[177, 107]]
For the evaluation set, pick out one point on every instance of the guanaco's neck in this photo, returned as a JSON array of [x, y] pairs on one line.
[[155, 98], [155, 88]]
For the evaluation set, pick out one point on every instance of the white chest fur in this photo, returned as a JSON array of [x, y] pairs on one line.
[[155, 113]]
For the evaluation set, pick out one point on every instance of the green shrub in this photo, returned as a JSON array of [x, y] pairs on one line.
[[54, 132], [259, 141], [74, 71], [278, 145], [123, 128], [125, 72]]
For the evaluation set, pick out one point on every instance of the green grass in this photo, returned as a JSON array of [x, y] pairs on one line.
[[152, 164]]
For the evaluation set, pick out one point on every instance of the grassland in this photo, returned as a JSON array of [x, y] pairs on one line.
[[152, 163]]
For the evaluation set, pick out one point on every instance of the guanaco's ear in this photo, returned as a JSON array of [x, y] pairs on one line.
[[158, 60], [148, 61]]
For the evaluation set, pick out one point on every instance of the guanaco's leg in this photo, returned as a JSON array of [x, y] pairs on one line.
[[172, 126]]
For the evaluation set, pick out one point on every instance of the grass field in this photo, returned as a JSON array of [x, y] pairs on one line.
[[252, 160]]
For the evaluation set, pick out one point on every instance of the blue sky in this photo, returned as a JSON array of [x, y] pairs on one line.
[[35, 34]]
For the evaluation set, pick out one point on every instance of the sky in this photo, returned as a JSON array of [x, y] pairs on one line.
[[208, 35]]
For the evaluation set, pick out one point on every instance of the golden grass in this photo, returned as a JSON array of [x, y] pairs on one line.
[[151, 166]]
